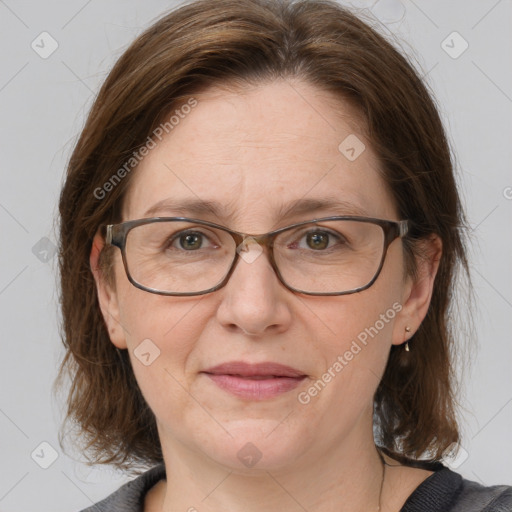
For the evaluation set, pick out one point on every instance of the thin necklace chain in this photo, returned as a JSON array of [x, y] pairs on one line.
[[383, 477]]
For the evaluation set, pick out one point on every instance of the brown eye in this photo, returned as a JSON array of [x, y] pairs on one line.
[[191, 241], [318, 240]]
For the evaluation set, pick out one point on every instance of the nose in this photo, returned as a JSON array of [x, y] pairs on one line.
[[254, 301]]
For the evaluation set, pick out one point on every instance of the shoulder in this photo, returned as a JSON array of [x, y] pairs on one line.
[[130, 497], [476, 497], [448, 491]]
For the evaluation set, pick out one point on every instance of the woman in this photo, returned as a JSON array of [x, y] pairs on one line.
[[260, 231]]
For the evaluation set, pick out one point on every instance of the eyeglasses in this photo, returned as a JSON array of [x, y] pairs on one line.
[[183, 256]]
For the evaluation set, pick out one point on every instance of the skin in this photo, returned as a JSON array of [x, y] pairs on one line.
[[254, 151]]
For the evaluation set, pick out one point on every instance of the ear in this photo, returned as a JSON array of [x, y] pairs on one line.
[[107, 296], [418, 291]]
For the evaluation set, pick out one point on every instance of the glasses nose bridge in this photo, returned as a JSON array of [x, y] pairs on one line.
[[263, 240]]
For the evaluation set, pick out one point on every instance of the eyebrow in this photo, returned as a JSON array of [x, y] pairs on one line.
[[199, 207]]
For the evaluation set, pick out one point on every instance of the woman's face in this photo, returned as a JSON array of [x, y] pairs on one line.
[[254, 154]]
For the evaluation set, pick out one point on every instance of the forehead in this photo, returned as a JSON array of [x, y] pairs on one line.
[[252, 152]]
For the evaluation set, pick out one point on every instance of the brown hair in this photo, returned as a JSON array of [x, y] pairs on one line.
[[247, 42]]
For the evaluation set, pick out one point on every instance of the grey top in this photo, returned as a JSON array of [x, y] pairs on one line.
[[443, 491]]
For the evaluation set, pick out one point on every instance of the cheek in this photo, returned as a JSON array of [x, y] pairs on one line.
[[353, 360], [161, 334], [160, 331], [169, 322], [364, 319], [144, 315], [360, 332]]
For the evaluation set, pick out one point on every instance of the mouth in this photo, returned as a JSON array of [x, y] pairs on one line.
[[255, 381]]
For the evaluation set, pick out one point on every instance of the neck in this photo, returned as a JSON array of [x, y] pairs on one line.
[[348, 478]]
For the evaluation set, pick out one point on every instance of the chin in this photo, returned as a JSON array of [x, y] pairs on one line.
[[256, 445]]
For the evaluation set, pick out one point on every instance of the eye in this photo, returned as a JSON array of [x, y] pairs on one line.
[[189, 241], [318, 240]]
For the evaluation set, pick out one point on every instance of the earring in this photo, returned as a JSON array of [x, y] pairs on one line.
[[407, 330]]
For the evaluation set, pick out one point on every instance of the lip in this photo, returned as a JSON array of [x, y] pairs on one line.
[[259, 381]]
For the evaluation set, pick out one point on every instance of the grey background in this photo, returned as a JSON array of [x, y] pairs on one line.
[[43, 103]]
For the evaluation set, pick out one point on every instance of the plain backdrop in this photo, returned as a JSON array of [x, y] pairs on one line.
[[55, 54]]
